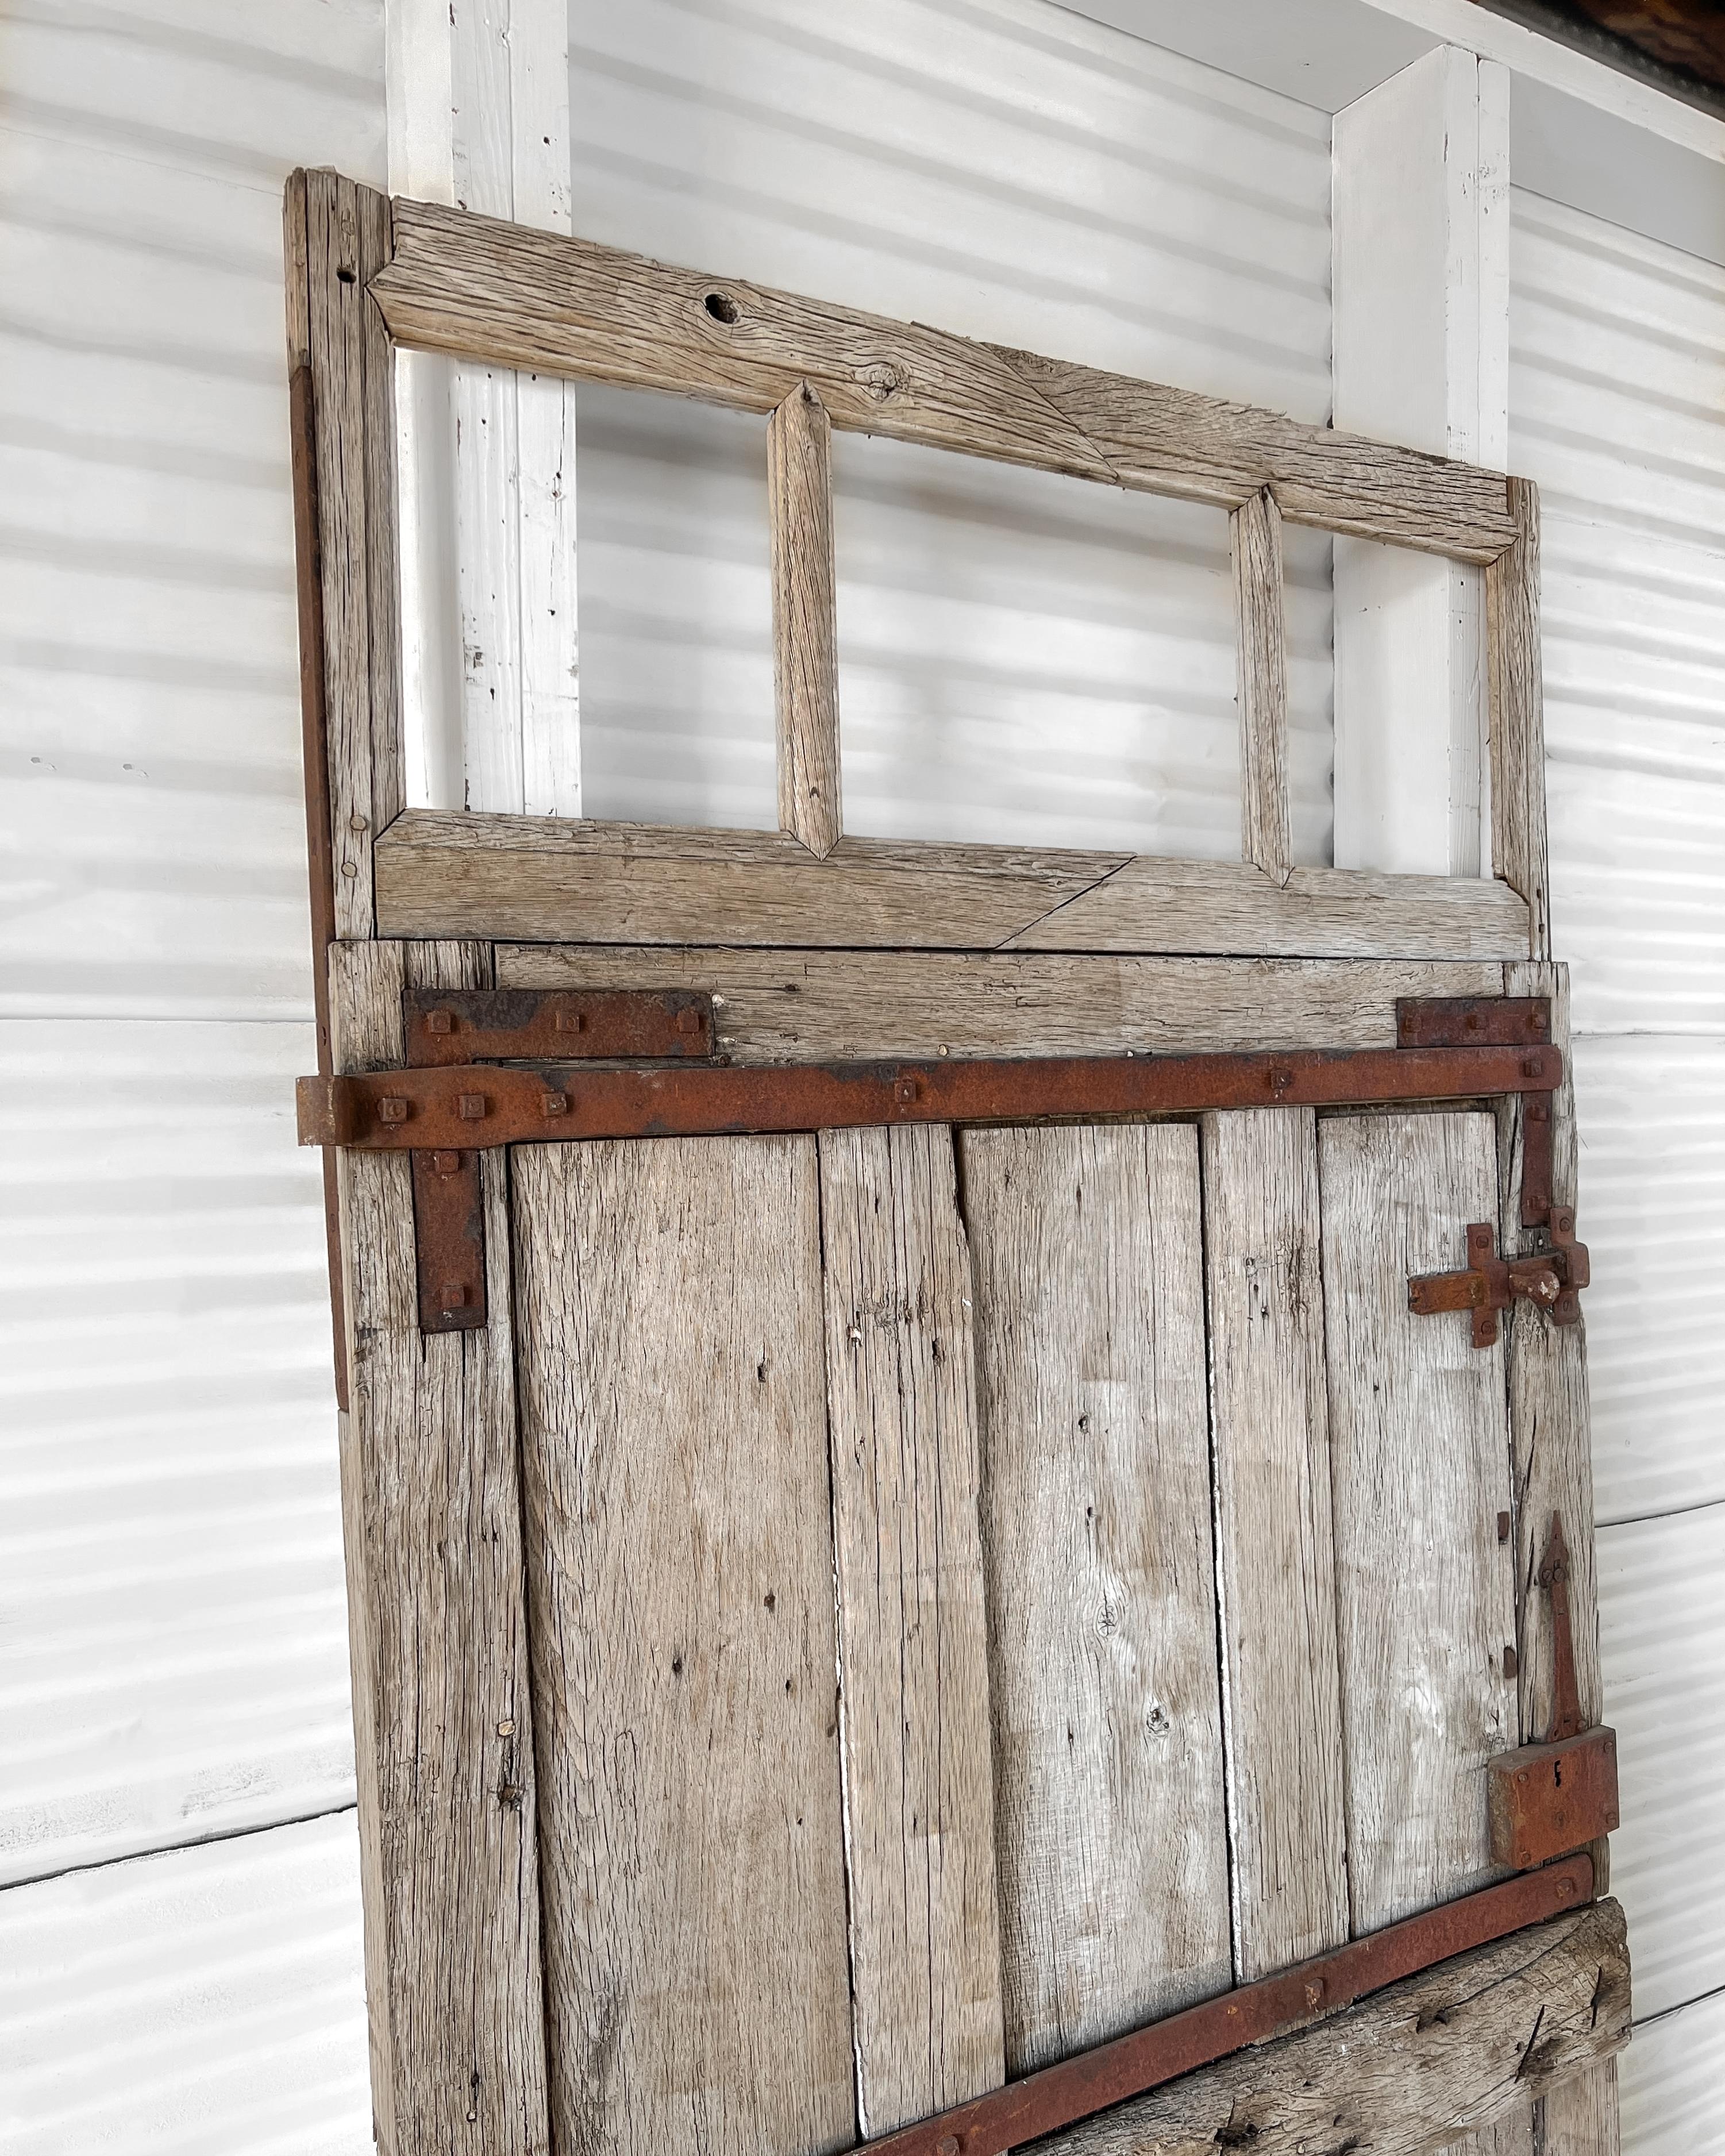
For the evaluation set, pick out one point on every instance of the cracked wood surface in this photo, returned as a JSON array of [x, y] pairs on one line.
[[1454, 2050], [805, 626], [547, 880], [681, 1573], [475, 287], [1255, 536]]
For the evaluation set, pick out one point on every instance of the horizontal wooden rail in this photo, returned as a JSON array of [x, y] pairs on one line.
[[500, 293]]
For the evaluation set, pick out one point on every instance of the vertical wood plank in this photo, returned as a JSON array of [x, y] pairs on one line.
[[1517, 717], [1261, 628], [1419, 1462], [1110, 1839], [675, 1456], [443, 1716], [1275, 1540], [912, 1625], [1552, 1453], [805, 630]]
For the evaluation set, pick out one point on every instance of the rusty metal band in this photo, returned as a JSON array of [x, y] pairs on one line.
[[477, 1104], [1060, 2096]]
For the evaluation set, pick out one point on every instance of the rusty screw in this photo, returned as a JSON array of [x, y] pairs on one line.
[[446, 1164], [471, 1107], [553, 1104], [439, 1021], [392, 1109], [570, 1021], [452, 1295]]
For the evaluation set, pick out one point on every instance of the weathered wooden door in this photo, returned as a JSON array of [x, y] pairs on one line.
[[902, 1526]]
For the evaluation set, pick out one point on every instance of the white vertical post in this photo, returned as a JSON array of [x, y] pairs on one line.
[[479, 114], [1421, 283]]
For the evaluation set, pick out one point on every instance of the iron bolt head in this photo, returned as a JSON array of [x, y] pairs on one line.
[[570, 1021], [439, 1021], [452, 1296], [688, 1019], [906, 1089], [392, 1109], [471, 1107], [947, 2145], [446, 1164], [553, 1104]]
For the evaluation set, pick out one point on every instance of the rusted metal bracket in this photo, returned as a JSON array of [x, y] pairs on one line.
[[386, 1109], [1549, 1799], [467, 1027], [1060, 2096], [1505, 1021], [1551, 1280]]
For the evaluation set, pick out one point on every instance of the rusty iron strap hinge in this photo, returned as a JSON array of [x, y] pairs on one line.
[[468, 1026], [1059, 2096], [1549, 1799]]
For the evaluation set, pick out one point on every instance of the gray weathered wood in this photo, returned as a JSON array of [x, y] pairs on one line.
[[1274, 1539], [443, 1719], [1515, 675], [1457, 2048], [680, 1550], [805, 623], [338, 237], [913, 1646], [555, 880], [1419, 1463], [469, 285], [1109, 1802], [804, 1007], [1581, 2116], [1261, 631]]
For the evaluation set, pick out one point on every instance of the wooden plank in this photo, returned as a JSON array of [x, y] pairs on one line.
[[1261, 619], [835, 1006], [443, 1718], [1517, 718], [1459, 2047], [484, 290], [674, 1459], [346, 240], [1419, 1461], [1552, 1455], [925, 1939], [549, 880], [1111, 1838], [1275, 1541], [805, 623]]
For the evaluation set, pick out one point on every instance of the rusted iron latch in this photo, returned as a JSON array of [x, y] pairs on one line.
[[1550, 1279], [1547, 1799]]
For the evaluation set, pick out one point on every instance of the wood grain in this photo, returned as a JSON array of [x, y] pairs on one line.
[[1457, 2048], [481, 289], [829, 1006], [557, 880], [1516, 727], [443, 1716], [1262, 628], [680, 1560], [1275, 1542], [805, 623], [912, 1625], [345, 242], [1581, 2116], [1111, 1837], [1419, 1462]]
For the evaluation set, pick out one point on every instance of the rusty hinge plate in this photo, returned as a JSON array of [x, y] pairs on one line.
[[465, 1027], [1551, 1279], [1547, 1799]]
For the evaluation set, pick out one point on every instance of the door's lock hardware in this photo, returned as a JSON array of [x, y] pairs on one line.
[[1551, 1280], [1547, 1799]]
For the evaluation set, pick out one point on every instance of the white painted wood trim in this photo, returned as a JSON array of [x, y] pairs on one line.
[[479, 115], [1420, 277]]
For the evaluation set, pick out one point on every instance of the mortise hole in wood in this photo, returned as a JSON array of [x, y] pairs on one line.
[[347, 276], [721, 306]]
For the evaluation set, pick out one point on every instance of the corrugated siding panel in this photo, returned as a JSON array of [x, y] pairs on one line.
[[171, 1588], [1662, 1641], [174, 1659], [1670, 2079], [208, 2002], [1023, 657]]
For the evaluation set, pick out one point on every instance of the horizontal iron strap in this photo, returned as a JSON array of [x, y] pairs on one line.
[[483, 1106], [1059, 2096]]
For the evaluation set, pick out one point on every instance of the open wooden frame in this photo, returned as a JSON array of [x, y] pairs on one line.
[[930, 949], [371, 276]]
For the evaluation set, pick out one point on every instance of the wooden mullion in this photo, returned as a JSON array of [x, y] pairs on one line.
[[1261, 620], [1517, 717], [805, 654]]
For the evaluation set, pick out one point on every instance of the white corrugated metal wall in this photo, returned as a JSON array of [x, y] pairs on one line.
[[170, 1606], [172, 1654], [1617, 408]]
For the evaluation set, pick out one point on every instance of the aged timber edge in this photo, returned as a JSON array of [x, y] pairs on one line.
[[484, 290], [1516, 729]]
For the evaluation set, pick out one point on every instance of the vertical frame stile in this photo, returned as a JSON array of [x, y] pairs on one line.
[[1517, 717], [805, 631], [1261, 622]]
